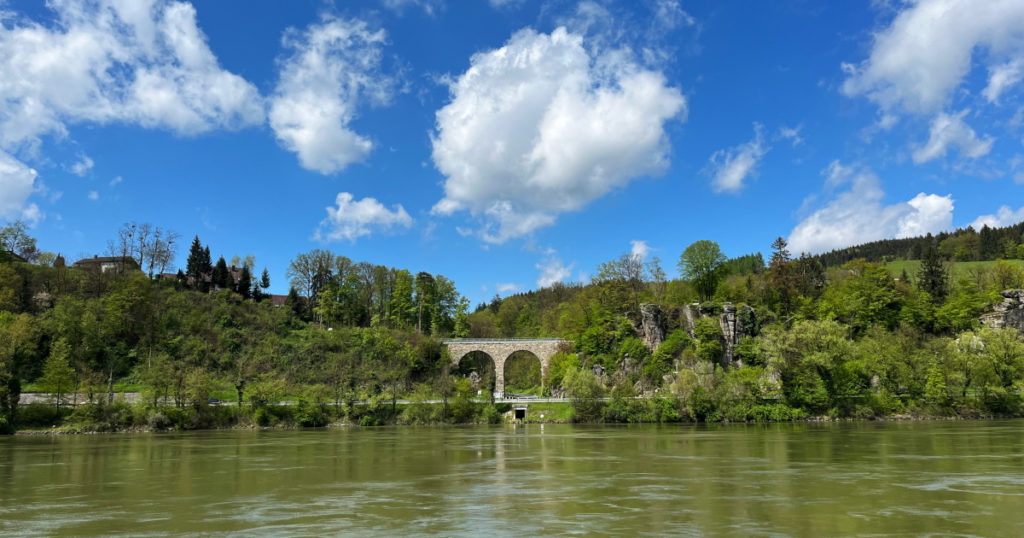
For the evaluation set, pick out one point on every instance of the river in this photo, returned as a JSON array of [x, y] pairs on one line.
[[804, 479]]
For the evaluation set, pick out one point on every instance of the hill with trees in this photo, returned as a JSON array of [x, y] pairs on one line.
[[353, 338], [963, 245]]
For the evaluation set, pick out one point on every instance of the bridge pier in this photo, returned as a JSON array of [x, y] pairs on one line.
[[501, 349]]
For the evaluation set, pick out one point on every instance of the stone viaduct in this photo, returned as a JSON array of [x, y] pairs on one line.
[[500, 349]]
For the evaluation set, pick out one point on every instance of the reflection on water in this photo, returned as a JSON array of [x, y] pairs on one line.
[[783, 479]]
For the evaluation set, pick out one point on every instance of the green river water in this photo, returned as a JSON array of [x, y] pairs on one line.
[[919, 478]]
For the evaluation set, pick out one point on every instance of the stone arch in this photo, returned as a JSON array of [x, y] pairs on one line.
[[490, 366], [529, 356], [501, 349]]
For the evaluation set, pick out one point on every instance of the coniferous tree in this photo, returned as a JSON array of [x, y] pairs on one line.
[[244, 285], [265, 280], [295, 303], [932, 276], [194, 267], [221, 276]]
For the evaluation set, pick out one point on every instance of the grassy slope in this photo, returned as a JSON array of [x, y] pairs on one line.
[[958, 268]]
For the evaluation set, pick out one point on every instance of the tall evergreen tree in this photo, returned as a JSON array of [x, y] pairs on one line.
[[295, 303], [244, 285], [932, 276], [265, 280], [194, 268], [221, 276]]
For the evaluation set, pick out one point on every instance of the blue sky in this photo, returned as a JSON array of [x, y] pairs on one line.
[[508, 144]]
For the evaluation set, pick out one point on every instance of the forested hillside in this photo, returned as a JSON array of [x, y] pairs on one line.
[[964, 245], [848, 341]]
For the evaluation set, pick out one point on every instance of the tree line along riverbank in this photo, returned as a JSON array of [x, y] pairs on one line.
[[730, 340]]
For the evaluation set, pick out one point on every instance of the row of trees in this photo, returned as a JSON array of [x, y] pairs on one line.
[[853, 340], [965, 244], [360, 294]]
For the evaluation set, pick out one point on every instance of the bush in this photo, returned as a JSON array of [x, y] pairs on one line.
[[585, 394], [492, 415], [39, 415], [159, 421], [262, 417], [311, 415], [108, 417], [775, 413]]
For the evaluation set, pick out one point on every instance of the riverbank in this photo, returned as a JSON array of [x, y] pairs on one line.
[[123, 417]]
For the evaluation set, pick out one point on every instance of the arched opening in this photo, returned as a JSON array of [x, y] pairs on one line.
[[523, 374], [478, 368]]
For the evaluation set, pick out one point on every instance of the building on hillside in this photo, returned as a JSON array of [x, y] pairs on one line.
[[106, 264], [235, 272], [278, 300]]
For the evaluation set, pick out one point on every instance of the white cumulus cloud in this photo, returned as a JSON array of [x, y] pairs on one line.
[[552, 270], [950, 130], [429, 7], [730, 167], [82, 166], [926, 52], [17, 182], [1001, 77], [544, 125], [639, 249], [1004, 217], [858, 215], [350, 219], [333, 66], [506, 288], [143, 62]]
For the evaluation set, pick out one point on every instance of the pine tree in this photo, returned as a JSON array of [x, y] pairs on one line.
[[221, 276], [194, 267], [295, 303], [780, 253], [244, 285], [932, 276], [265, 280]]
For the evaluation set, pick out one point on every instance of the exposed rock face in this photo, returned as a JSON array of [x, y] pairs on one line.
[[652, 325], [733, 330], [1009, 313], [690, 314]]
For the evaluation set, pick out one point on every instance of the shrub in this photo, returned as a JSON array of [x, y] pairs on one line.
[[310, 415], [491, 414], [159, 421], [39, 415]]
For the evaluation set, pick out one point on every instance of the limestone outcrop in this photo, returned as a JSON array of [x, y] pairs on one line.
[[652, 326], [1009, 313], [733, 330]]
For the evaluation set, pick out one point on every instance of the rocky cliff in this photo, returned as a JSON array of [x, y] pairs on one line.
[[1009, 313], [652, 326]]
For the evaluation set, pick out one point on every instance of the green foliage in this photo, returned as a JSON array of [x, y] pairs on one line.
[[58, 376], [38, 415], [701, 263], [561, 363], [585, 393], [709, 337], [661, 362], [865, 295], [932, 277], [849, 342], [961, 310]]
